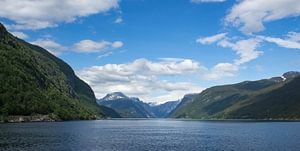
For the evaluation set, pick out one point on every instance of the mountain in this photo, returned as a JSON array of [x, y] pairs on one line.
[[35, 82], [290, 75], [185, 100], [128, 107], [274, 98], [115, 96], [163, 110], [131, 107]]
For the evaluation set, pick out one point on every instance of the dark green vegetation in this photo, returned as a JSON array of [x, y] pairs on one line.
[[130, 107], [37, 86], [34, 82], [184, 101], [275, 98]]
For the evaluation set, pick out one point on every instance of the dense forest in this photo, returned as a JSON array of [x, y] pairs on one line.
[[35, 82]]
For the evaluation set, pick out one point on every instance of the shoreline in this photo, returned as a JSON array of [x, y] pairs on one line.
[[25, 119], [48, 118]]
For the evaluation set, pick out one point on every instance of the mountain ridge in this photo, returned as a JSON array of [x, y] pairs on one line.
[[236, 101], [132, 107], [128, 107]]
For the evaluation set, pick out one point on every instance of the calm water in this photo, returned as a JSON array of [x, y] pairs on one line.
[[139, 135]]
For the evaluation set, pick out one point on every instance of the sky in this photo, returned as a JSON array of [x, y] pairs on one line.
[[160, 50]]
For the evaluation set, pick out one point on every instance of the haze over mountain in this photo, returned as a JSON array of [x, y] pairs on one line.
[[131, 107], [128, 107], [274, 98], [36, 83], [163, 110]]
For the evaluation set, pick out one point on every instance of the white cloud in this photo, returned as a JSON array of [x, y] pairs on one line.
[[211, 39], [38, 14], [143, 78], [83, 46], [246, 49], [91, 46], [117, 44], [176, 94], [19, 34], [207, 1], [88, 46], [119, 20], [291, 41], [251, 15], [222, 70], [294, 36], [50, 45], [105, 55], [283, 43]]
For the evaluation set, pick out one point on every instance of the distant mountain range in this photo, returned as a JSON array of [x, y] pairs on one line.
[[35, 83], [274, 98], [163, 110], [131, 107], [128, 107]]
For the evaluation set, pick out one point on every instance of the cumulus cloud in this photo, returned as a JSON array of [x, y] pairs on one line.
[[39, 14], [250, 15], [88, 46], [207, 1], [83, 46], [211, 39], [146, 67], [222, 70], [143, 78], [50, 45], [19, 34]]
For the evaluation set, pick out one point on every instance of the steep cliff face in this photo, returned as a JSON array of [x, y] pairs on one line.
[[35, 82]]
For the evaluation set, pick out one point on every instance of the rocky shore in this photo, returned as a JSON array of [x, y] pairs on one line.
[[33, 118]]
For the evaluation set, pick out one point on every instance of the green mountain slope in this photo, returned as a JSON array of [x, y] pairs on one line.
[[184, 101], [34, 82], [281, 103], [275, 98]]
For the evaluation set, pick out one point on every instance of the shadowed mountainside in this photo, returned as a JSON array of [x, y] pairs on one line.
[[35, 82]]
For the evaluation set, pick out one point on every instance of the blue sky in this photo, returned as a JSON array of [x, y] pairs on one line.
[[159, 50]]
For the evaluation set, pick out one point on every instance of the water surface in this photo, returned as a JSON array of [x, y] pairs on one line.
[[158, 134]]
